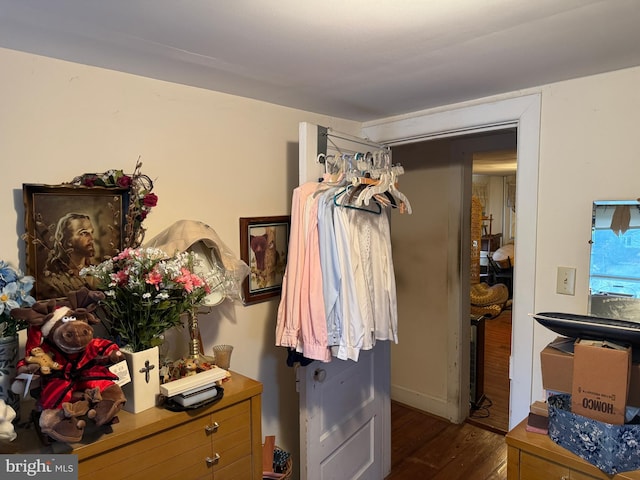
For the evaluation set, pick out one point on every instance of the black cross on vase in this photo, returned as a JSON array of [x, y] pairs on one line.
[[147, 368]]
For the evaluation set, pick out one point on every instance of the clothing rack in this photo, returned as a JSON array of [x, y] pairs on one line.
[[366, 176], [325, 132], [376, 159]]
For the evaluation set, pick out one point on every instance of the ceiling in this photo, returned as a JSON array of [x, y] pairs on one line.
[[355, 59]]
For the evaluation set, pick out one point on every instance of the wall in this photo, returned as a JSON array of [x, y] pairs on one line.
[[213, 157], [420, 255], [589, 151]]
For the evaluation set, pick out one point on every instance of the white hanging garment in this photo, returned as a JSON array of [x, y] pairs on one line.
[[339, 291]]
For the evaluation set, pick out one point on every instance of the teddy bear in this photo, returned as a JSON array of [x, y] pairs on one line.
[[82, 386], [44, 360]]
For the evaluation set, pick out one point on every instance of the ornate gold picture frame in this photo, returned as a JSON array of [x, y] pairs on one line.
[[67, 228]]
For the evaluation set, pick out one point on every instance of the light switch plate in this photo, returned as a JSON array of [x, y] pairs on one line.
[[566, 281]]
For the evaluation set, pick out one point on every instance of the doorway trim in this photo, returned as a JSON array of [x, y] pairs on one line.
[[524, 113]]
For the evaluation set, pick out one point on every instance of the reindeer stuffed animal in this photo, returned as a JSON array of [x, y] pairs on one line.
[[82, 386]]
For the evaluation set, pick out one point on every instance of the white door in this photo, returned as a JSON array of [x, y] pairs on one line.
[[345, 416]]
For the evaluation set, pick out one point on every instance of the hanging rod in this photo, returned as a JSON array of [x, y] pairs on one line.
[[329, 132]]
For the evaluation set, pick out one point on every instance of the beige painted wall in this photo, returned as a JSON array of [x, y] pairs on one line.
[[420, 254], [589, 150], [213, 157]]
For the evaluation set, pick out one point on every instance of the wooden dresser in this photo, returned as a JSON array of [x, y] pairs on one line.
[[221, 441], [532, 456]]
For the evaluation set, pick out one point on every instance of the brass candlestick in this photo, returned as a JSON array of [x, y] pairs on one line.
[[195, 342]]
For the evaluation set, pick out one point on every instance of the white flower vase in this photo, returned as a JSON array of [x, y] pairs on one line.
[[8, 360], [143, 390]]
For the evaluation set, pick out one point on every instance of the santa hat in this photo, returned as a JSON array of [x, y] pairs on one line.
[[56, 316]]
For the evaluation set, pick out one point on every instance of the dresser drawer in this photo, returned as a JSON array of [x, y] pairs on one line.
[[176, 451], [533, 467], [238, 470], [232, 439]]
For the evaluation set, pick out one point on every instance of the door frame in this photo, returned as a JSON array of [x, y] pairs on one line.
[[524, 113]]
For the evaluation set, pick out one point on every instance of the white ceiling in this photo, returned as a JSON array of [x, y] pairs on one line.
[[356, 59]]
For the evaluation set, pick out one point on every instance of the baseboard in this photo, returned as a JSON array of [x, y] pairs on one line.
[[420, 401]]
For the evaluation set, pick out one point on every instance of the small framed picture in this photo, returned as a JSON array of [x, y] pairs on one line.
[[69, 228], [263, 246]]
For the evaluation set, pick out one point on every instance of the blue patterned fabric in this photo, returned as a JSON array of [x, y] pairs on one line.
[[611, 448]]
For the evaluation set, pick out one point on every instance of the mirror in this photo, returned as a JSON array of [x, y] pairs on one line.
[[614, 273]]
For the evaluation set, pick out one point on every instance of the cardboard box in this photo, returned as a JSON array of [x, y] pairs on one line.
[[557, 374], [557, 368], [600, 384]]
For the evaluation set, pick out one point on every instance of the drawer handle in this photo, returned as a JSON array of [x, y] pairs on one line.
[[212, 428], [213, 461]]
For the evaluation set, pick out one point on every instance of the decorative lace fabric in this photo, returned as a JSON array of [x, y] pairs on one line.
[[194, 234], [611, 448]]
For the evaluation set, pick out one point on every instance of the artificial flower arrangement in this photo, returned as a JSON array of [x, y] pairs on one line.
[[141, 198], [14, 293], [147, 291]]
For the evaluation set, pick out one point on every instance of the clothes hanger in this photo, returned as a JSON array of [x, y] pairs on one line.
[[387, 185], [378, 170], [404, 201], [329, 178], [381, 186], [340, 197], [386, 200], [335, 175], [404, 204]]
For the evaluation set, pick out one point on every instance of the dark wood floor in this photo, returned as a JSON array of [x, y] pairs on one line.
[[494, 409], [427, 447]]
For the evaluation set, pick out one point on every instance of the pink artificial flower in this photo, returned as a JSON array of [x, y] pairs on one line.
[[189, 280], [121, 277], [123, 254], [154, 278]]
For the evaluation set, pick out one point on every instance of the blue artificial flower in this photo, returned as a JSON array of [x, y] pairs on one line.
[[14, 293], [7, 298], [25, 285], [7, 274]]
